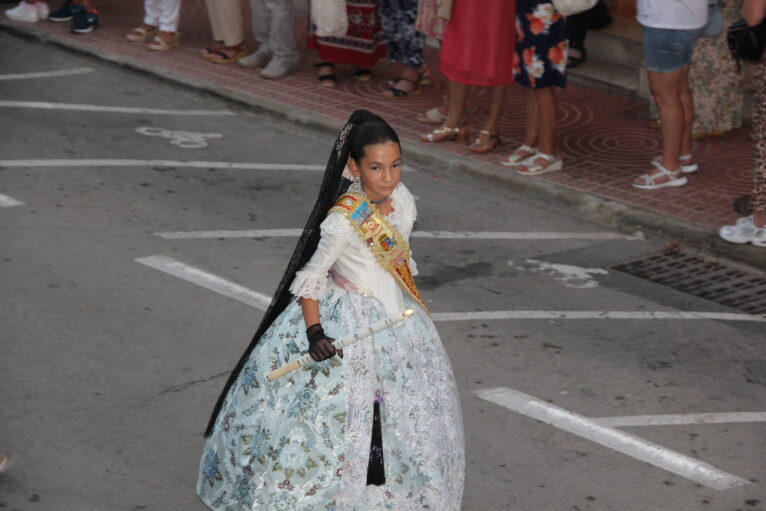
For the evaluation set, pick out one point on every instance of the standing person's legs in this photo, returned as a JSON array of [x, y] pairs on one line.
[[665, 89], [281, 40], [405, 44], [488, 138], [452, 128], [281, 37], [668, 54], [687, 103], [261, 24], [543, 124], [226, 24]]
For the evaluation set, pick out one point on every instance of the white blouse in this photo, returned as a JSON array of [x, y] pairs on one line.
[[341, 250]]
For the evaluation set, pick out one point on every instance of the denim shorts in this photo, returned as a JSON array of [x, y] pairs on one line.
[[666, 49]]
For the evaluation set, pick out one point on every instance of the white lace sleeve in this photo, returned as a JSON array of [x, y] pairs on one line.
[[405, 212], [311, 280]]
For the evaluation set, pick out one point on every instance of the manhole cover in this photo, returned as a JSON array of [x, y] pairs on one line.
[[704, 278]]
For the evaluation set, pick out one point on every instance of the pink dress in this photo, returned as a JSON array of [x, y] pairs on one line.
[[478, 44]]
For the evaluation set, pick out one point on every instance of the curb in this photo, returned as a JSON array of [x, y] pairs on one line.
[[625, 217]]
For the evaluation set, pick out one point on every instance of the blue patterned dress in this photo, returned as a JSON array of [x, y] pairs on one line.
[[303, 442]]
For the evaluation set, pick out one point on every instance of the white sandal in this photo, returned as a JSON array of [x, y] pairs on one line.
[[675, 178], [514, 159], [687, 168], [530, 167]]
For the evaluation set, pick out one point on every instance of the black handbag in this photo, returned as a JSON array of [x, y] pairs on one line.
[[746, 42]]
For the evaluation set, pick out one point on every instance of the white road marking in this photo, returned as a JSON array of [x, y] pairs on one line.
[[185, 139], [624, 315], [620, 441], [160, 163], [207, 280], [7, 202], [448, 235], [261, 301], [250, 233], [681, 419], [46, 74], [569, 275], [99, 108]]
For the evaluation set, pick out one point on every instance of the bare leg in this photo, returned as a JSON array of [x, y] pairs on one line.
[[687, 103], [665, 88], [495, 109], [457, 94], [533, 119], [546, 111]]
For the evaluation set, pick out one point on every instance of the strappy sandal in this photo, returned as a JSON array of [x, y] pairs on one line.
[[159, 44], [401, 93], [687, 164], [530, 167], [362, 74], [432, 116], [224, 54], [489, 144], [424, 77], [141, 35], [515, 158], [674, 178], [445, 133], [326, 79]]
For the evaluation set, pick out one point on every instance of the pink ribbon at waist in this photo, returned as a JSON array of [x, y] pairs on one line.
[[343, 282]]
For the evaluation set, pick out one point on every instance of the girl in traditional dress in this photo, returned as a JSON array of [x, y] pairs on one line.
[[377, 427]]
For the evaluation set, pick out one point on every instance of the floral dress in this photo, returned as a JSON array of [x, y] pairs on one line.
[[541, 45], [304, 442]]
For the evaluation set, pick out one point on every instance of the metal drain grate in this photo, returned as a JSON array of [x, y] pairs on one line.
[[704, 278]]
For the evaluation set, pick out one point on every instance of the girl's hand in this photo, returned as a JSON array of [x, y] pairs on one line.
[[320, 346]]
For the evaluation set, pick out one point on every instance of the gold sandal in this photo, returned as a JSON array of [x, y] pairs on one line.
[[445, 133]]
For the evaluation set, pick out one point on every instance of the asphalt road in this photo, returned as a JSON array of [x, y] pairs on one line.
[[109, 366]]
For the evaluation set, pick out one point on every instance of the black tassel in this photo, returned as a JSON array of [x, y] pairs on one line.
[[376, 473]]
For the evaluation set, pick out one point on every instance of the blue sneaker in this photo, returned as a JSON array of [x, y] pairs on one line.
[[85, 20], [64, 13]]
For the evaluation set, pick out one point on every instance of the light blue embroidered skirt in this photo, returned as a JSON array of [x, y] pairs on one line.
[[302, 442]]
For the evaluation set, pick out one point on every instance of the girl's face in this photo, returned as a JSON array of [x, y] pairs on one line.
[[379, 169]]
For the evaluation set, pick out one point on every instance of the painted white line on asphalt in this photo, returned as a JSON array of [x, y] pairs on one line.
[[207, 280], [261, 301], [159, 163], [99, 108], [449, 235], [250, 233], [681, 419], [7, 202], [528, 314], [46, 74], [620, 441]]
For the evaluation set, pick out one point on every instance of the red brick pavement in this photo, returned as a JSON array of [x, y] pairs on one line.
[[603, 137]]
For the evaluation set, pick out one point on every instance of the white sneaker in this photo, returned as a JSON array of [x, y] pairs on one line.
[[42, 10], [744, 231], [277, 68], [24, 12]]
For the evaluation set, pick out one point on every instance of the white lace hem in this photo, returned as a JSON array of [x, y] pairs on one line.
[[309, 285]]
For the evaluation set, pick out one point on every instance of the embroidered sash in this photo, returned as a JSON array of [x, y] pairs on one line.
[[388, 246]]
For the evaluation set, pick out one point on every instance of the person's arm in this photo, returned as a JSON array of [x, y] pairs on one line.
[[310, 284], [754, 12]]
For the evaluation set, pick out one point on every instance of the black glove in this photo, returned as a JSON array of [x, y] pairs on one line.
[[320, 346]]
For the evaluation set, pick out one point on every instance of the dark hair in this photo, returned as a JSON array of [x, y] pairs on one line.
[[362, 129], [373, 131]]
